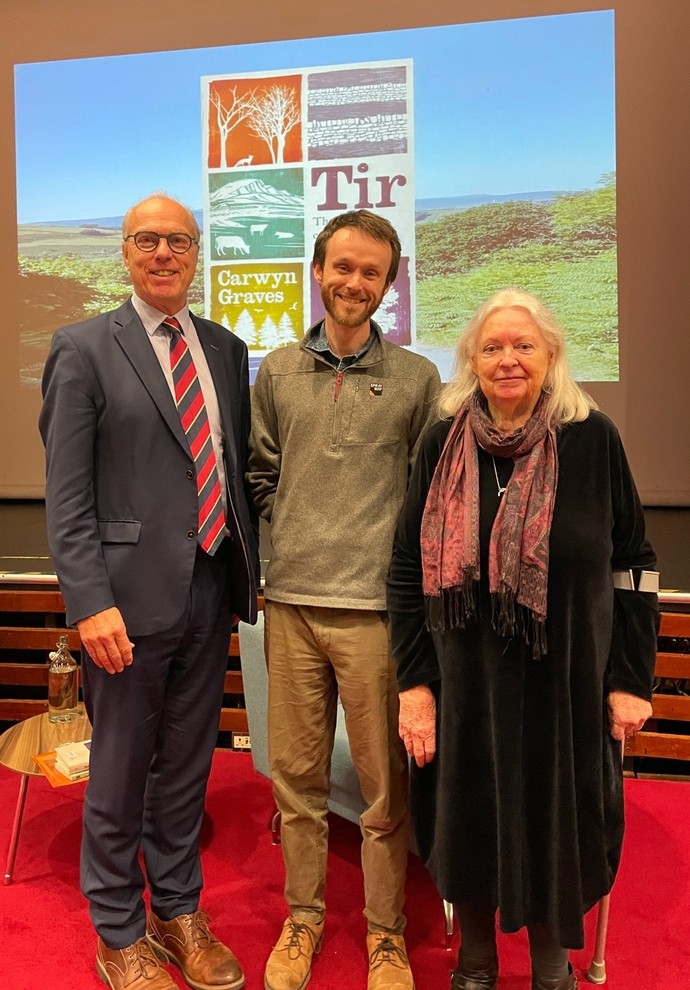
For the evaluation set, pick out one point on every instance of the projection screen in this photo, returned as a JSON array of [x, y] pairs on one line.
[[522, 148]]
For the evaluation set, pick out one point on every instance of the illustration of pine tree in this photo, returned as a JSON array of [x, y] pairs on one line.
[[268, 334], [286, 331], [245, 328]]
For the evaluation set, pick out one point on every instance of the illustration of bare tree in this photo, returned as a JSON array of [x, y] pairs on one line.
[[272, 117], [229, 113]]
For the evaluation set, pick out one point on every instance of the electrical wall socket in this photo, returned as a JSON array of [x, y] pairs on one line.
[[241, 740]]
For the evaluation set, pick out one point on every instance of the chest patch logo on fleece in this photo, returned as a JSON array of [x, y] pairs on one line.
[[376, 388]]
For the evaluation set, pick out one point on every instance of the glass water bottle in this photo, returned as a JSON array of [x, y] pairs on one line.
[[62, 684]]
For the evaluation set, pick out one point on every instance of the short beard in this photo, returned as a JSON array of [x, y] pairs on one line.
[[351, 322]]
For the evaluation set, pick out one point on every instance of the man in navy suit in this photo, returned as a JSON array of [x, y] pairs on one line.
[[153, 603]]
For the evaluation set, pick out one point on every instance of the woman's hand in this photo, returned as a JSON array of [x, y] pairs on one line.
[[417, 723], [627, 713]]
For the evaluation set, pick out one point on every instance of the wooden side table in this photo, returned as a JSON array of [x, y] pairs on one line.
[[18, 745]]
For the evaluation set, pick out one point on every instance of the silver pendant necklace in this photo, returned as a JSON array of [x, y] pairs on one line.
[[500, 488]]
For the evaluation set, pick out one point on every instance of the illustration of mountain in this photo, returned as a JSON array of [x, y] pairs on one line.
[[253, 197]]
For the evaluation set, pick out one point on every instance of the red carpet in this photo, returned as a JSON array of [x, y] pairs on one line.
[[46, 938]]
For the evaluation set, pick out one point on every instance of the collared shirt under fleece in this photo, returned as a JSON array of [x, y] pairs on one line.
[[330, 456]]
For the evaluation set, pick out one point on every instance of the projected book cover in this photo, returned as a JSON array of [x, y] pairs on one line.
[[345, 134], [489, 146]]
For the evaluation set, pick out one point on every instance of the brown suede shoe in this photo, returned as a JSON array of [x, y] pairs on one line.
[[389, 967], [289, 964], [187, 941], [133, 968]]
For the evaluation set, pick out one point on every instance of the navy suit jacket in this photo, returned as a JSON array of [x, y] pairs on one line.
[[121, 495]]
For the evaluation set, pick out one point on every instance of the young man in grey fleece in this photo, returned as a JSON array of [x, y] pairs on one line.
[[336, 421]]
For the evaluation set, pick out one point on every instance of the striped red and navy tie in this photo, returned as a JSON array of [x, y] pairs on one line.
[[194, 418]]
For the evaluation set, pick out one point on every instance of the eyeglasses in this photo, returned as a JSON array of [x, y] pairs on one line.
[[147, 240]]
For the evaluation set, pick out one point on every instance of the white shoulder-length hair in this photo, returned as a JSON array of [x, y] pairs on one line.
[[566, 402]]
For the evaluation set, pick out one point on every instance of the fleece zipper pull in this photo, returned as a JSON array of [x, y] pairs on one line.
[[338, 383]]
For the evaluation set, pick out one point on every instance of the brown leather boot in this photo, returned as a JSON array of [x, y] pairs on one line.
[[133, 968], [187, 941], [566, 983]]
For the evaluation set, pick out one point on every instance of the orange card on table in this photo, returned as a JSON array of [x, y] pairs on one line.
[[46, 764]]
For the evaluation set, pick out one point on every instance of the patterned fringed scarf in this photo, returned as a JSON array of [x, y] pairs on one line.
[[519, 545]]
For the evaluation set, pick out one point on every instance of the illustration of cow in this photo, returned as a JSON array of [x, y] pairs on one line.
[[283, 234], [230, 242], [258, 228]]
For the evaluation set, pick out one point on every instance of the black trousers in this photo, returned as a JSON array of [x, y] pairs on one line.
[[477, 924], [155, 727]]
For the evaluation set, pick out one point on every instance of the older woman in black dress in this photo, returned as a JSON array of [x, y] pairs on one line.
[[524, 641]]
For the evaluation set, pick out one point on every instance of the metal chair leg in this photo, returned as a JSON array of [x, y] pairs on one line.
[[274, 825], [16, 828], [450, 923]]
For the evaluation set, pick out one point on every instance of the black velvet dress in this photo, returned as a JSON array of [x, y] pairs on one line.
[[522, 807]]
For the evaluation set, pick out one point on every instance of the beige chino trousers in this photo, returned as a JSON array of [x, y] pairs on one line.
[[314, 655]]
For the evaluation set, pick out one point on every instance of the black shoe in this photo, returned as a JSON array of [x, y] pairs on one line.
[[565, 983], [481, 977]]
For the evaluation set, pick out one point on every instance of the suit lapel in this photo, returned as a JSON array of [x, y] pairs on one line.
[[131, 336]]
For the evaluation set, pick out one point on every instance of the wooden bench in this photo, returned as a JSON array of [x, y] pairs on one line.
[[31, 621], [671, 699]]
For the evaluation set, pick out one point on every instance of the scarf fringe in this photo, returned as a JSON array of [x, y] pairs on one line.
[[511, 619], [453, 608], [456, 608]]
